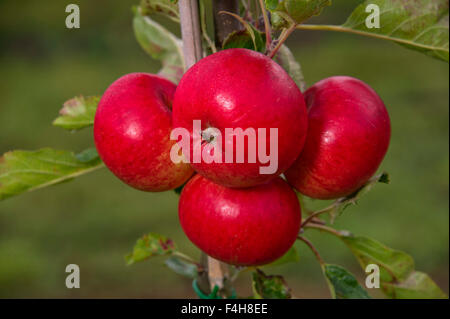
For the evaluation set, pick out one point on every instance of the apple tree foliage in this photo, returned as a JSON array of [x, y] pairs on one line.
[[420, 25]]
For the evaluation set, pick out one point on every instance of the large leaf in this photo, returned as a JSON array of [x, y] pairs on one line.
[[77, 113], [269, 287], [421, 25], [417, 24], [22, 171], [343, 284], [394, 265], [296, 10], [417, 286], [397, 275], [286, 59], [150, 245], [161, 44]]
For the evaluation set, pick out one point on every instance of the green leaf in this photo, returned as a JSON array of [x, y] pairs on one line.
[[343, 284], [417, 286], [397, 275], [290, 256], [296, 11], [150, 245], [269, 287], [420, 25], [77, 113], [394, 265], [398, 279], [167, 8], [271, 4], [182, 267], [243, 39], [342, 203], [161, 45], [22, 171], [286, 59]]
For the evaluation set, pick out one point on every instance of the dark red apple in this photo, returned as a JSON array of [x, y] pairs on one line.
[[132, 129], [240, 226], [348, 135], [240, 88]]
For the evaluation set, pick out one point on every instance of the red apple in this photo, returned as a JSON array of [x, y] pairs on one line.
[[132, 132], [348, 135], [240, 88], [240, 226]]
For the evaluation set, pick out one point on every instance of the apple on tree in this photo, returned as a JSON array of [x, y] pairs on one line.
[[240, 226], [348, 136], [242, 89], [132, 128]]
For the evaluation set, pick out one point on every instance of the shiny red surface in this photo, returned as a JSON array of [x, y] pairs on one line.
[[245, 226], [242, 88], [348, 136], [132, 132]]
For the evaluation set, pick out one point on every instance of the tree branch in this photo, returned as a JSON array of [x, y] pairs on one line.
[[190, 32], [216, 272]]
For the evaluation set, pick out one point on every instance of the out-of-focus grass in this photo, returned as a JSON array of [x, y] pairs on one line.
[[94, 220]]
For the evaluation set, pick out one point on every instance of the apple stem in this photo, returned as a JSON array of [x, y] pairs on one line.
[[283, 37], [314, 250], [338, 233]]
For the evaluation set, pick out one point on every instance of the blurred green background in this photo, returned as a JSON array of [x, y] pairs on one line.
[[94, 220]]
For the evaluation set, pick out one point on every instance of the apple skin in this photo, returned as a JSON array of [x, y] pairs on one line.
[[348, 136], [240, 88], [240, 226], [132, 128]]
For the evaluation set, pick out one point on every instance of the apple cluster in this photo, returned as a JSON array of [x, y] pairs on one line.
[[330, 141]]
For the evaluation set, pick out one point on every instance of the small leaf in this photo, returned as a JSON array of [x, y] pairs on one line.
[[297, 10], [271, 4], [394, 264], [182, 267], [342, 203], [88, 155], [343, 284], [22, 171], [420, 25], [417, 286], [290, 256], [77, 113], [269, 287], [150, 245], [160, 44], [242, 39], [167, 8], [286, 59]]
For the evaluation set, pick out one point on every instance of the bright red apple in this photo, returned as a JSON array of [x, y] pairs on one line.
[[132, 129], [240, 88], [240, 226], [348, 135]]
